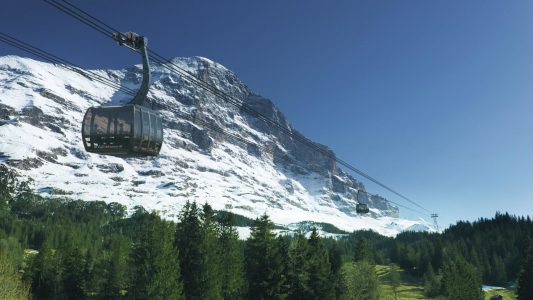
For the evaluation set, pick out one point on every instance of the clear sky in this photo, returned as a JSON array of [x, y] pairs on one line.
[[434, 98]]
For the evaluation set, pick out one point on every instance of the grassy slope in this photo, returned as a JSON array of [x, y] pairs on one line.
[[411, 287], [507, 294]]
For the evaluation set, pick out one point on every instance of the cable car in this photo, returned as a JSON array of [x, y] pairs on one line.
[[361, 208], [125, 130]]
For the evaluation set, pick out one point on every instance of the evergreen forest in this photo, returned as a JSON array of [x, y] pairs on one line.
[[54, 248]]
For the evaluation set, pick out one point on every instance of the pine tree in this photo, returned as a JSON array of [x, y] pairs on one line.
[[335, 258], [212, 278], [362, 251], [321, 281], [282, 247], [73, 279], [432, 285], [461, 280], [232, 261], [113, 267], [360, 281], [157, 270], [93, 276], [264, 262], [298, 275], [525, 278], [46, 274], [499, 274], [189, 244], [197, 241]]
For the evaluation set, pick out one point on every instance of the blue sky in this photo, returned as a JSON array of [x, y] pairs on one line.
[[434, 98]]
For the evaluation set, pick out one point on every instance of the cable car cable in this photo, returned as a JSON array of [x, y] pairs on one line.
[[158, 58], [54, 59], [191, 118]]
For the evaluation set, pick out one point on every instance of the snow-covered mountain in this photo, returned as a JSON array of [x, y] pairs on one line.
[[42, 105]]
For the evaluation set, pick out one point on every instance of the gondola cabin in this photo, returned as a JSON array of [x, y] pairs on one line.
[[362, 208], [128, 130], [125, 130]]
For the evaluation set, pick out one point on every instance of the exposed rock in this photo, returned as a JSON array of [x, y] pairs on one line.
[[153, 173], [55, 128], [59, 151], [338, 185], [59, 100], [288, 186], [34, 115], [253, 150], [24, 164], [6, 111], [48, 156], [138, 182], [80, 93], [111, 168], [201, 138], [54, 191], [81, 154]]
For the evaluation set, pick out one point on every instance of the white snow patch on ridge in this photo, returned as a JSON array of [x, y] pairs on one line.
[[42, 106]]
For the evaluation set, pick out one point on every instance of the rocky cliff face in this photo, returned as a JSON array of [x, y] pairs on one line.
[[42, 105]]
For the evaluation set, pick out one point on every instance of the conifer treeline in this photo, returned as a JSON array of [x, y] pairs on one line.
[[91, 250], [65, 249]]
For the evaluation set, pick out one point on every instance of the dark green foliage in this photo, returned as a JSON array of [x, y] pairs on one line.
[[72, 273], [525, 279], [362, 251], [461, 280], [432, 283], [231, 260], [335, 259], [156, 273], [298, 269], [360, 281], [283, 244], [199, 252], [189, 244], [321, 279], [93, 250], [493, 246], [11, 250], [265, 268], [212, 274], [46, 274], [238, 220], [8, 185], [111, 274], [330, 228]]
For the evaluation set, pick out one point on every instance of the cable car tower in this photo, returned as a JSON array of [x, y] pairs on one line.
[[435, 224], [125, 130]]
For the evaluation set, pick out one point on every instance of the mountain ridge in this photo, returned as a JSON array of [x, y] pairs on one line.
[[42, 105]]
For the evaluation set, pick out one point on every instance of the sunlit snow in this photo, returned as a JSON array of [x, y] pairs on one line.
[[226, 176]]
